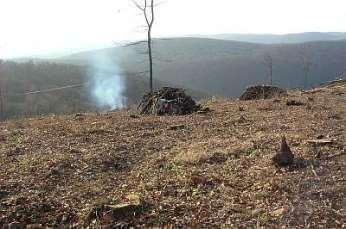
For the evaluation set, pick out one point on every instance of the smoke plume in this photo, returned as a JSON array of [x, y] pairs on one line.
[[107, 83]]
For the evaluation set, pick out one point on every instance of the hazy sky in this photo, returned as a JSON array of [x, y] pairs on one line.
[[43, 27]]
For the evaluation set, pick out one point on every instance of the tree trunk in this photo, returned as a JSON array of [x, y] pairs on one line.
[[306, 79], [150, 61], [271, 75]]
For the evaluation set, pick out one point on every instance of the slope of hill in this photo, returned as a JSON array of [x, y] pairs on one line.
[[282, 39], [206, 67], [224, 68], [201, 170], [28, 88]]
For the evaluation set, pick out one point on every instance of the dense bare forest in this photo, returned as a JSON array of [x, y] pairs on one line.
[[224, 68], [24, 85], [32, 88]]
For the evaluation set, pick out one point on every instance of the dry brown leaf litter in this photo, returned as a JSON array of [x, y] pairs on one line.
[[210, 170]]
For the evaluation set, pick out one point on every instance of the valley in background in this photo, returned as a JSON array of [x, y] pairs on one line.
[[206, 67]]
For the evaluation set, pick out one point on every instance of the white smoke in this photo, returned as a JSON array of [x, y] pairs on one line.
[[107, 83]]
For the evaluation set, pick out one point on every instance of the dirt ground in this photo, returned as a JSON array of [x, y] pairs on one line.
[[209, 169]]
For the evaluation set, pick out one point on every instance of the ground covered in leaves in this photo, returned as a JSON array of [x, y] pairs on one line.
[[210, 169]]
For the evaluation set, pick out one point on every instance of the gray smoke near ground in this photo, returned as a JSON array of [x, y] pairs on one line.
[[107, 83]]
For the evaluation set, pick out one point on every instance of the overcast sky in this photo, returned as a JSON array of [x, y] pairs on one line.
[[45, 27]]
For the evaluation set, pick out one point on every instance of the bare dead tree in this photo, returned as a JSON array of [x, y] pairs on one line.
[[268, 63], [148, 10], [341, 75], [306, 62]]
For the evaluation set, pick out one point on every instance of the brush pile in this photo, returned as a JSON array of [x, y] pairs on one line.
[[262, 92], [168, 101]]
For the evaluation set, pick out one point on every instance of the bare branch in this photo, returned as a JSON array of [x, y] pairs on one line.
[[146, 14], [135, 43], [152, 13], [159, 3], [139, 6]]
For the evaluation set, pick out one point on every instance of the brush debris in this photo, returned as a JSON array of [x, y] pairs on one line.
[[215, 173], [168, 101], [262, 92]]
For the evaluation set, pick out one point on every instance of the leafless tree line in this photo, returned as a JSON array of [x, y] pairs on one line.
[[306, 62], [305, 59]]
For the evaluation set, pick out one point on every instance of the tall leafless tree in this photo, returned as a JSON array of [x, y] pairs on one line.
[[147, 7], [268, 63], [306, 62]]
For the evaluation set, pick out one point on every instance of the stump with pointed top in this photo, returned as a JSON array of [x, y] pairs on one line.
[[285, 156]]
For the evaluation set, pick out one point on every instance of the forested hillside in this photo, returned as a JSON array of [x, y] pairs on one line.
[[37, 88], [280, 39], [18, 79], [207, 67], [224, 68]]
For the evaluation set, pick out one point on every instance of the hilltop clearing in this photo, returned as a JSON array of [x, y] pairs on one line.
[[206, 169]]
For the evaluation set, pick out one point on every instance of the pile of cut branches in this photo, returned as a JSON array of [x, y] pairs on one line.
[[168, 101], [262, 92]]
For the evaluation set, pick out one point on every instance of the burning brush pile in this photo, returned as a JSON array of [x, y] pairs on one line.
[[168, 101]]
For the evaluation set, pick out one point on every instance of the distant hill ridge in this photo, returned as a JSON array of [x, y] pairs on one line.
[[284, 38], [224, 68], [205, 66]]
